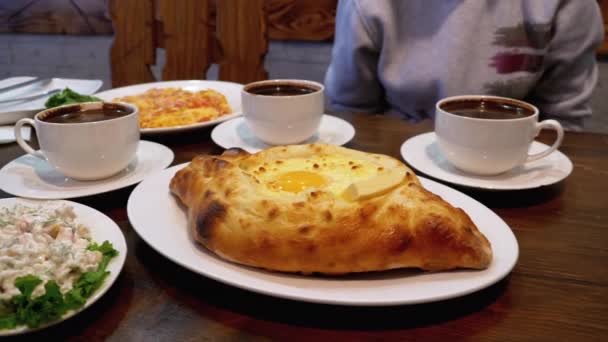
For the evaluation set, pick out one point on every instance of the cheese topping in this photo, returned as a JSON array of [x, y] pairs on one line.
[[374, 186]]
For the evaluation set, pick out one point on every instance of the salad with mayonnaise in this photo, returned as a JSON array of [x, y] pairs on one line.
[[48, 264]]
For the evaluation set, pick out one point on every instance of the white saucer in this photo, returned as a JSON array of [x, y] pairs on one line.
[[235, 133], [30, 177], [422, 153]]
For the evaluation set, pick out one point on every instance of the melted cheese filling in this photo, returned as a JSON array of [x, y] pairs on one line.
[[326, 173]]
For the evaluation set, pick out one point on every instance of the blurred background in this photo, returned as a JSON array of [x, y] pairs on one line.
[[121, 41]]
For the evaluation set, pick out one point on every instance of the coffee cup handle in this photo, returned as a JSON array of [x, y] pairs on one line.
[[548, 124], [24, 145]]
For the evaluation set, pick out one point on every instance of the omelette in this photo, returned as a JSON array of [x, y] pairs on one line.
[[170, 107], [323, 209]]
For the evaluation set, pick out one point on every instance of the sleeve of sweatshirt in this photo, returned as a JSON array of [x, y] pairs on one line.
[[570, 70], [351, 81]]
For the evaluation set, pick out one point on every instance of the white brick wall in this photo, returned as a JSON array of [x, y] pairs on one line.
[[5, 55], [88, 57], [55, 56], [304, 52], [303, 60]]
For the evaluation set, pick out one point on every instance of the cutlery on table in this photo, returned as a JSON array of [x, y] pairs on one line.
[[32, 97], [43, 81]]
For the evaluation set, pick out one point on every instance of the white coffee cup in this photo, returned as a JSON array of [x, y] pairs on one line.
[[85, 150], [495, 140], [281, 112]]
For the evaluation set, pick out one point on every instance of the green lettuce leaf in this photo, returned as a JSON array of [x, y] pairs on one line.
[[27, 284], [22, 309], [67, 96]]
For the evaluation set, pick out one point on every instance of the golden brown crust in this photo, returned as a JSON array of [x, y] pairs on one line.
[[316, 231]]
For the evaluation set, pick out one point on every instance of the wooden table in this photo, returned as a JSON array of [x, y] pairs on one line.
[[558, 290]]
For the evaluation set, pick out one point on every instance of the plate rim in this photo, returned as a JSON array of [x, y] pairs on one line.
[[351, 132], [119, 262], [62, 196], [472, 184], [501, 275], [183, 128]]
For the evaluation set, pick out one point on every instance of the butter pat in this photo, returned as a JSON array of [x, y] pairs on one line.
[[374, 186]]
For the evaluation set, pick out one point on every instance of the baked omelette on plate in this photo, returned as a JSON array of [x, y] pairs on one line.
[[172, 107]]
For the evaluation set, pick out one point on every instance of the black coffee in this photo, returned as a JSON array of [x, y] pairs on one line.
[[282, 89], [487, 109], [77, 115]]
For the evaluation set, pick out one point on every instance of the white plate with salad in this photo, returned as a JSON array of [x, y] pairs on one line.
[[56, 259], [11, 112]]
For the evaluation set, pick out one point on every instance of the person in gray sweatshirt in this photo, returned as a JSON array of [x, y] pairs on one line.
[[404, 55]]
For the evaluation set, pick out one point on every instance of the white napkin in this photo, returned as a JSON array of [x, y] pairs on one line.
[[7, 134]]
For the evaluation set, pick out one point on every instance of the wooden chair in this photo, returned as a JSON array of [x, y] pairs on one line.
[[603, 49], [196, 33]]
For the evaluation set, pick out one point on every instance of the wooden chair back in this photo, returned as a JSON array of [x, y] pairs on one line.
[[197, 33]]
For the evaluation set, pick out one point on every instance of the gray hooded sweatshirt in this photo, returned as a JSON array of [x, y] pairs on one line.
[[405, 55]]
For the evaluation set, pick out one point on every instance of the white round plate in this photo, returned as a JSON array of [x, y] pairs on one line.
[[159, 220], [102, 228], [31, 177], [236, 133], [422, 152], [11, 112], [231, 90]]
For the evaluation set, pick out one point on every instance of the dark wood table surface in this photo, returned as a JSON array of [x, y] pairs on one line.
[[558, 291]]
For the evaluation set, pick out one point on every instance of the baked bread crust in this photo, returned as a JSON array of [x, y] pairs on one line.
[[232, 214]]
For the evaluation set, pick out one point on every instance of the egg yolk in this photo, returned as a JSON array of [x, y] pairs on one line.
[[296, 181]]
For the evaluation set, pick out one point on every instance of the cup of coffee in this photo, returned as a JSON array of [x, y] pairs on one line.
[[281, 112], [489, 135], [85, 141]]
